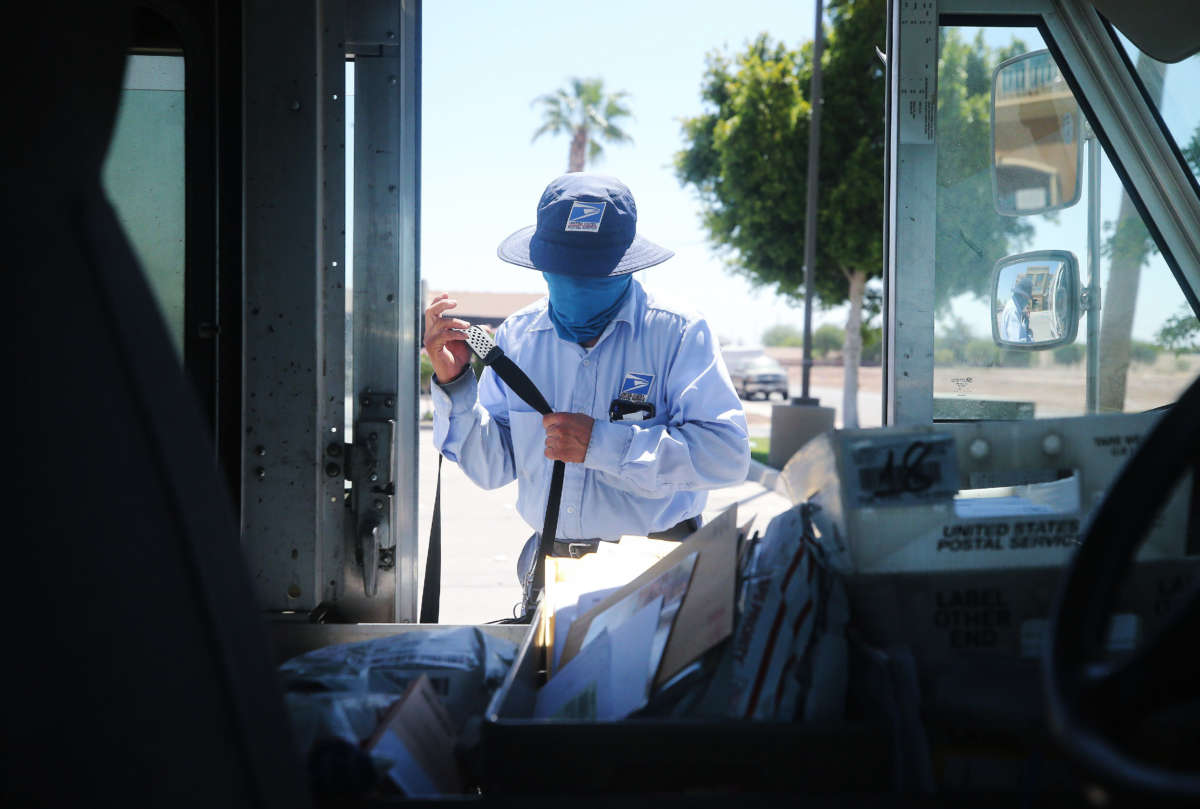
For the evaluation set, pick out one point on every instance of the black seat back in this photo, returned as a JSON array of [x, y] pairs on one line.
[[136, 662]]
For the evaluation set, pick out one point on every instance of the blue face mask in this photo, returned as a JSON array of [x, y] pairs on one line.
[[580, 308]]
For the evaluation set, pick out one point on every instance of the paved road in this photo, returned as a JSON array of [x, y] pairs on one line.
[[870, 413], [482, 535]]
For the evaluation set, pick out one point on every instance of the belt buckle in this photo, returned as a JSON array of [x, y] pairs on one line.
[[578, 549]]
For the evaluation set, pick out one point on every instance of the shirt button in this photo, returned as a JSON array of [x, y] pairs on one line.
[[570, 509], [587, 362]]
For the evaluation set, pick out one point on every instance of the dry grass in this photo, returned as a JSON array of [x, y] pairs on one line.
[[1055, 390]]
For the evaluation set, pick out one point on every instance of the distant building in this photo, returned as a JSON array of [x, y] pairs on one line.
[[486, 308]]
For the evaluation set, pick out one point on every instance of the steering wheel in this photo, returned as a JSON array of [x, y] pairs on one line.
[[1088, 699]]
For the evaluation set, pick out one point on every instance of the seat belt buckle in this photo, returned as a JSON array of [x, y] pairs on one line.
[[579, 549]]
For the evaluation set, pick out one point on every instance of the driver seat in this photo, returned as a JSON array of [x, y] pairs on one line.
[[137, 663]]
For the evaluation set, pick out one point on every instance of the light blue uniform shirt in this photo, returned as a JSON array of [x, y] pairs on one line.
[[637, 477]]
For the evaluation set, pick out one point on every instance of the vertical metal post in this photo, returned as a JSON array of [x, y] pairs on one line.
[[331, 464], [385, 37], [911, 211], [811, 204], [1092, 294], [293, 238]]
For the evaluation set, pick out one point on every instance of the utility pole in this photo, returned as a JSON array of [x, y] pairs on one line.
[[810, 209]]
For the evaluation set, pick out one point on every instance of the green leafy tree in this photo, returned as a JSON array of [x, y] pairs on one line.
[[828, 338], [1191, 153], [783, 335], [588, 115], [956, 335], [872, 342], [746, 157], [970, 235], [1181, 332]]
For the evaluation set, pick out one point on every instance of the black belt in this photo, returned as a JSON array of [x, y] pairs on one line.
[[575, 548]]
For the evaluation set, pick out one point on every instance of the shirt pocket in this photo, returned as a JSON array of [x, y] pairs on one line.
[[528, 442]]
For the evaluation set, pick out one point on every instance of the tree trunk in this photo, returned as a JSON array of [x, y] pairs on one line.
[[852, 348], [1124, 276], [578, 154], [1117, 307]]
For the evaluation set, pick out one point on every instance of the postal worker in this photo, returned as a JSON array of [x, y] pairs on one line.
[[646, 418]]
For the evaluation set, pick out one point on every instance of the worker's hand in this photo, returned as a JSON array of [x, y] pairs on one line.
[[567, 436], [447, 349]]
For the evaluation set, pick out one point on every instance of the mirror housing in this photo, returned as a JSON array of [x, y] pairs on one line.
[[1037, 159], [1035, 300]]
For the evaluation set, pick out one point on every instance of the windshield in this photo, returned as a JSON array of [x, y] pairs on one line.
[[1032, 223], [1174, 90]]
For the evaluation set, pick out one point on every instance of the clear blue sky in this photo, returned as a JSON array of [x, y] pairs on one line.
[[481, 177], [484, 62]]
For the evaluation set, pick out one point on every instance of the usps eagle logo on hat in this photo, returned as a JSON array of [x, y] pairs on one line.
[[586, 216]]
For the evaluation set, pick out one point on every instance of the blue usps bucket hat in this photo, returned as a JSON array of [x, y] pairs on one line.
[[586, 226]]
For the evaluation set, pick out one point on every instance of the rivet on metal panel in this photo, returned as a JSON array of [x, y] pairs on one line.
[[332, 469], [364, 400], [979, 449], [379, 505], [335, 96], [293, 591], [1052, 444], [374, 477], [260, 473], [392, 80], [295, 105], [260, 450], [391, 35], [388, 402], [334, 448]]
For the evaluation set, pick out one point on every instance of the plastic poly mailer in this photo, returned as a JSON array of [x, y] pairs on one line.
[[787, 657], [343, 691]]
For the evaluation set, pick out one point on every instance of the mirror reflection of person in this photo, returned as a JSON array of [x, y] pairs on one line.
[[1014, 320]]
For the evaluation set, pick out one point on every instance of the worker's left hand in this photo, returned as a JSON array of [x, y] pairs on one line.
[[567, 436]]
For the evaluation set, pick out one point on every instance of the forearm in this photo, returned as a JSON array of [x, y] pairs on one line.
[[470, 435], [661, 460]]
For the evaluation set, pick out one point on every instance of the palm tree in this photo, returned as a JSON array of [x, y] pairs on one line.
[[583, 111]]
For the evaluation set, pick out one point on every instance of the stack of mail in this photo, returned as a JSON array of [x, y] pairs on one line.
[[611, 648]]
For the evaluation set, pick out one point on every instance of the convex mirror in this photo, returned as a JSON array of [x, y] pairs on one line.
[[1036, 128], [1035, 300]]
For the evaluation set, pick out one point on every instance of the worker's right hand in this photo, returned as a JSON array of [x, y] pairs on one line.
[[447, 349]]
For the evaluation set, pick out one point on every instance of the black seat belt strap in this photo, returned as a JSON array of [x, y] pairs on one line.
[[431, 592], [486, 349], [549, 532]]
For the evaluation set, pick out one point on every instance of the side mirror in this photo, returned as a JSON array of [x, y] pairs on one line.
[[1037, 161], [1035, 301]]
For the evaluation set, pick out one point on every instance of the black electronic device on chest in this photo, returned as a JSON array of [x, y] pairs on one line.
[[625, 410]]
